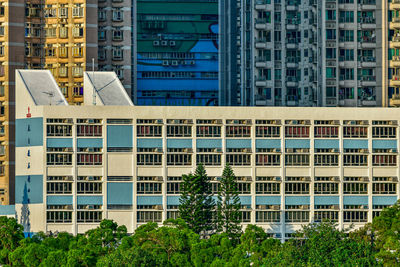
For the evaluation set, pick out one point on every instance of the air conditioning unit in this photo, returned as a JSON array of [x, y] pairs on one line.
[[173, 74], [91, 121], [165, 63], [218, 150], [289, 150], [192, 62], [247, 150], [172, 43], [90, 207], [160, 121], [276, 207], [158, 150], [174, 63], [90, 178], [334, 179], [277, 178], [278, 235], [164, 43], [262, 207], [188, 150], [304, 207], [160, 178], [156, 43]]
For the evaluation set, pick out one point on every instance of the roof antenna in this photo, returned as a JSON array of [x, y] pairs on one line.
[[94, 87]]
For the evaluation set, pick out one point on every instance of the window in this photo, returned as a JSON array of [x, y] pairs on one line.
[[89, 159], [327, 188], [346, 74], [331, 34], [89, 214], [117, 53], [59, 130], [320, 216], [174, 185], [326, 160], [238, 131], [102, 34], [355, 132], [355, 216], [59, 214], [297, 160], [268, 131], [89, 130], [297, 216], [268, 216], [149, 159], [238, 159], [77, 31], [59, 159], [117, 14], [331, 53], [59, 187], [208, 131], [384, 132], [330, 73], [355, 160], [149, 130], [297, 188], [244, 216], [268, 159], [177, 159], [355, 188], [77, 11], [346, 36], [297, 131], [346, 54], [330, 15], [268, 188], [117, 34], [209, 159], [149, 215], [149, 188], [326, 131], [384, 188], [88, 187], [384, 160], [346, 16], [179, 131]]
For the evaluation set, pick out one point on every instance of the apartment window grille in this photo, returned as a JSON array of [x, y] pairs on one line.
[[326, 131], [174, 185], [86, 215], [149, 213], [268, 216], [268, 188], [355, 132], [384, 132], [86, 187], [238, 159], [384, 188], [59, 187], [59, 159], [209, 159], [268, 159], [327, 188], [355, 188], [208, 131], [297, 216], [149, 130], [297, 160], [238, 131], [149, 188], [326, 160], [384, 160], [149, 159], [89, 159], [58, 216], [59, 130], [297, 188], [178, 159], [355, 216], [297, 131], [355, 160], [179, 131], [89, 130], [268, 131], [326, 215]]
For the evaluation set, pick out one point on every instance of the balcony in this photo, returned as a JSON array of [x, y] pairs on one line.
[[292, 62], [396, 40], [395, 24], [292, 23], [395, 100], [262, 62], [368, 80], [367, 23], [395, 81], [367, 4], [263, 24], [292, 43], [261, 43], [367, 62], [261, 81], [367, 41], [292, 81], [292, 100], [395, 62], [395, 5], [262, 4]]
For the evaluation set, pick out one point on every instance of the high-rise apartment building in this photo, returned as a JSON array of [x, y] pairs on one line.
[[54, 34], [307, 53], [115, 39], [177, 52]]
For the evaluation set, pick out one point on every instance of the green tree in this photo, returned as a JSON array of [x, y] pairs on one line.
[[10, 235], [196, 202], [228, 205]]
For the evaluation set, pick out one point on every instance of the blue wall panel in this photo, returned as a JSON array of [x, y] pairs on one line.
[[90, 200], [149, 200], [355, 200], [7, 209], [297, 143], [245, 200], [326, 143], [384, 200], [384, 144], [173, 200], [89, 142], [355, 144], [209, 143], [29, 132], [119, 193], [268, 143], [119, 136], [59, 200], [238, 143], [59, 142], [326, 200], [268, 200], [179, 143], [297, 200], [150, 143], [28, 189]]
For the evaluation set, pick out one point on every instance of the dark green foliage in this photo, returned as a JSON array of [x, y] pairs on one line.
[[196, 202], [228, 205]]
